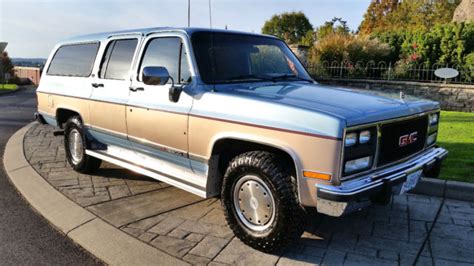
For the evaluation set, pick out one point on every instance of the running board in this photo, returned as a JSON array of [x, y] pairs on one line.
[[177, 182]]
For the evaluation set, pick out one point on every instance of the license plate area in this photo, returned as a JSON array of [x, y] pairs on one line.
[[412, 180]]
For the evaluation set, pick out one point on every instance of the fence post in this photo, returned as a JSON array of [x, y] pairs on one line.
[[389, 70], [340, 72]]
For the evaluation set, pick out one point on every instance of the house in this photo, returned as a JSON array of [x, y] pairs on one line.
[[28, 75]]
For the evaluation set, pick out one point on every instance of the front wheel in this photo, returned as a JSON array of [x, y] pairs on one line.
[[261, 202]]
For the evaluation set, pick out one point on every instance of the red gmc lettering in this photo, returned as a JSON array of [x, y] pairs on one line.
[[408, 139]]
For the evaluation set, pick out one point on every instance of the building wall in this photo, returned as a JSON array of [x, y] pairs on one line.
[[33, 74], [301, 51], [452, 97]]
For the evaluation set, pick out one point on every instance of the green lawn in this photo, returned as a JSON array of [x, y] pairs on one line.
[[7, 87], [456, 134]]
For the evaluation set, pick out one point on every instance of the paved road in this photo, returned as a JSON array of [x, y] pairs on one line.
[[25, 237]]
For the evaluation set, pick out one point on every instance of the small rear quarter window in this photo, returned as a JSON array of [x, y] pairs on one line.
[[74, 60]]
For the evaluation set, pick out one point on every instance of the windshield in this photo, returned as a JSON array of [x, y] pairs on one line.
[[229, 57]]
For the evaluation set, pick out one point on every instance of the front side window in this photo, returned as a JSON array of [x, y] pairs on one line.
[[168, 52], [74, 60], [118, 59], [230, 57]]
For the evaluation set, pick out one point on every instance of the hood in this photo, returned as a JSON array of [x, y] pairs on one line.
[[355, 106]]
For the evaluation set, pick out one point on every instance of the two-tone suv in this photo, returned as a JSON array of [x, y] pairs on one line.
[[235, 115]]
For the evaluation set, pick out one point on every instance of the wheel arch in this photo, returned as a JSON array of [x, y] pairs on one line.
[[63, 114], [220, 156]]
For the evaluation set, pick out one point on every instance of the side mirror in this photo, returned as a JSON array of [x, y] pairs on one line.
[[155, 75], [160, 76]]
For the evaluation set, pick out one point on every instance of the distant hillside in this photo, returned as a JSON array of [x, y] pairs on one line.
[[31, 62]]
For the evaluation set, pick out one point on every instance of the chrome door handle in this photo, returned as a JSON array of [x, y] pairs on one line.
[[135, 89], [97, 85]]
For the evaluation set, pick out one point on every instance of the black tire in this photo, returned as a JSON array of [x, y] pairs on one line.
[[287, 224], [86, 164], [434, 171]]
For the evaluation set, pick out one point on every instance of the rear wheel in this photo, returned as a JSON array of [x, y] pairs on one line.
[[75, 146], [261, 202]]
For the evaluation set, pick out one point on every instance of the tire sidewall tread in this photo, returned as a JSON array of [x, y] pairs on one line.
[[289, 218]]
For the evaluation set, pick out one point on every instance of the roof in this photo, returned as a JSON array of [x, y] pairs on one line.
[[146, 31]]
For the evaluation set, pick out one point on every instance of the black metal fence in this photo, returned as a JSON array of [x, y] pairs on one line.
[[388, 71]]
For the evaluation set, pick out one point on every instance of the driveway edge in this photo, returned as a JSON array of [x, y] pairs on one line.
[[101, 239]]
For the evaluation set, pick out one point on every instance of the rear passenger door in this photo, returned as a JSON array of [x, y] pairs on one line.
[[111, 90], [157, 126]]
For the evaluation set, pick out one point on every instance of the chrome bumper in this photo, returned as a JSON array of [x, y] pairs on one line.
[[354, 194]]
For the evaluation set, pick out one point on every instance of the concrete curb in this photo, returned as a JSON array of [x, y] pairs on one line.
[[444, 188], [103, 240]]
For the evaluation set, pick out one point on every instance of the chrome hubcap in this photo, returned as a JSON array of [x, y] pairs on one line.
[[75, 146], [254, 203]]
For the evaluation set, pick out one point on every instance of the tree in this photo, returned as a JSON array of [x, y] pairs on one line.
[[7, 66], [376, 15], [330, 27], [291, 27], [386, 15], [309, 39]]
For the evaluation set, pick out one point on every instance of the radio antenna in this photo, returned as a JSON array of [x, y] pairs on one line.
[[210, 15], [189, 13]]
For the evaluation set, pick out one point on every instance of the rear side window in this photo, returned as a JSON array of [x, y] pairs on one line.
[[118, 59], [74, 60], [168, 52]]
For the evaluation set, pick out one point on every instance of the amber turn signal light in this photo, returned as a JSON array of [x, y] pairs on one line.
[[317, 175]]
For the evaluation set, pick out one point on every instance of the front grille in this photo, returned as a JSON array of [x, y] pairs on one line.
[[390, 148]]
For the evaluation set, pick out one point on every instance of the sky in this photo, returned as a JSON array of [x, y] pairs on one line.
[[32, 27]]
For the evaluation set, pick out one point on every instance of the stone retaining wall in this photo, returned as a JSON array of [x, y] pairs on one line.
[[452, 97]]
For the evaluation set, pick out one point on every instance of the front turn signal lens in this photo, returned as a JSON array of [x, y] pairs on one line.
[[317, 175]]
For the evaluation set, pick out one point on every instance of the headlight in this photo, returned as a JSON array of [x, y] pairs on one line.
[[360, 146], [431, 139], [433, 118], [358, 164], [364, 137], [351, 139], [433, 121]]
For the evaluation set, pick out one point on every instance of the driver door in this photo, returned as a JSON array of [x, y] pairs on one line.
[[156, 126]]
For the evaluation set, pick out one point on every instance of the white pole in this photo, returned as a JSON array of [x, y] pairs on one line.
[[189, 13], [210, 15]]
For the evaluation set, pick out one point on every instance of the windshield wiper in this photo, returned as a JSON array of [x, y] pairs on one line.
[[265, 78], [249, 77], [290, 76]]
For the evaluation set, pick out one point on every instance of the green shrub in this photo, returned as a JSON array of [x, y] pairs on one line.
[[343, 47], [468, 73], [444, 44], [364, 49], [331, 48]]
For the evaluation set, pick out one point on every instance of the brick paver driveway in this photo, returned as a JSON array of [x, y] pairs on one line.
[[413, 229]]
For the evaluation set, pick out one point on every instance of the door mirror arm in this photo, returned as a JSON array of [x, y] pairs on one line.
[[175, 91]]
